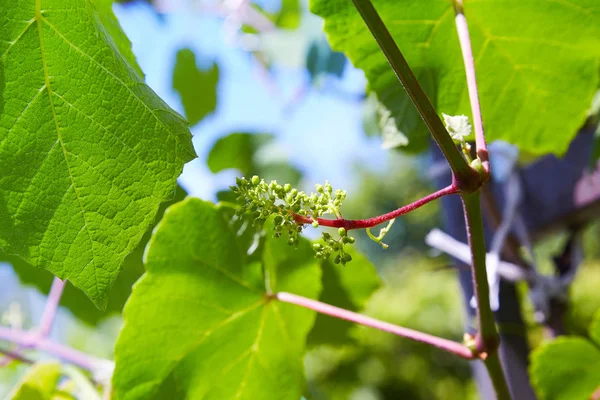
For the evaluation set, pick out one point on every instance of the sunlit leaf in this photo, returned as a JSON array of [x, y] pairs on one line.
[[200, 325], [74, 299], [537, 63], [88, 150]]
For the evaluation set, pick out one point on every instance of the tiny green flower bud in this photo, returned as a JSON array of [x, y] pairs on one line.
[[319, 188], [351, 239], [326, 236], [255, 180], [337, 259], [291, 241], [342, 232], [317, 246], [287, 187], [347, 257], [315, 224]]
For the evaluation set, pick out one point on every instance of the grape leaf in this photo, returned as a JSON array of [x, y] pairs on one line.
[[537, 63], [39, 383], [88, 150], [568, 368], [74, 299], [348, 287], [199, 324], [197, 88]]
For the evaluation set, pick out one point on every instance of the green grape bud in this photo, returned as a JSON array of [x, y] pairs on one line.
[[291, 241], [287, 187], [342, 232], [351, 240], [317, 246], [347, 257], [315, 224], [255, 180], [337, 259]]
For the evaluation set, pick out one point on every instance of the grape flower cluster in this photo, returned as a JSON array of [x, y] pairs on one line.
[[290, 208]]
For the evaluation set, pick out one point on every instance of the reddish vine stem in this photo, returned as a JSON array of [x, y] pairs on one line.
[[349, 224], [51, 306], [467, 52], [450, 346]]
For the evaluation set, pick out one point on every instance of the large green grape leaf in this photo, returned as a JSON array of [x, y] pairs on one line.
[[537, 63], [568, 368], [348, 286], [197, 88], [74, 299], [87, 150], [199, 324]]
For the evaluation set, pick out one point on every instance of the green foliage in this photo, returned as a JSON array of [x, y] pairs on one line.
[[242, 151], [286, 205], [321, 60], [74, 299], [200, 324], [88, 150], [39, 383], [197, 88], [346, 286], [236, 150], [537, 63], [287, 17], [289, 14], [569, 367], [391, 367]]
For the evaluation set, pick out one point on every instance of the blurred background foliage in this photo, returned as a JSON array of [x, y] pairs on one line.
[[266, 95]]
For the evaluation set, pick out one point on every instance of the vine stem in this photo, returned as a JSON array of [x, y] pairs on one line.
[[467, 177], [33, 340], [467, 53], [487, 339], [450, 346], [51, 307], [349, 224]]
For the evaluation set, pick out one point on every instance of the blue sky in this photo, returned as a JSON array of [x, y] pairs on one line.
[[320, 135]]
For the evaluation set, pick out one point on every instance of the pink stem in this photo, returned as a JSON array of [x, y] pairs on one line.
[[371, 222], [467, 52], [33, 340], [443, 344], [51, 306]]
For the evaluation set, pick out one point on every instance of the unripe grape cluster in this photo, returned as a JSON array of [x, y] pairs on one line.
[[261, 200]]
